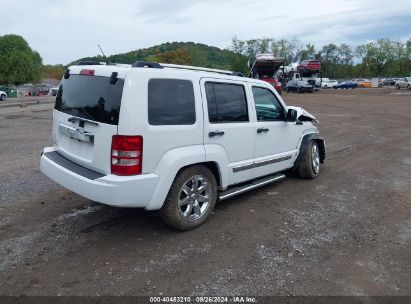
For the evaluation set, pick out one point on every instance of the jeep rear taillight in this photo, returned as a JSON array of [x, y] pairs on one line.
[[126, 155]]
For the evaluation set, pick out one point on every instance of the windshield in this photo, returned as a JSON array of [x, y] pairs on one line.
[[90, 97]]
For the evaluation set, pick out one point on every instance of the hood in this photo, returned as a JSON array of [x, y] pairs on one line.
[[304, 115]]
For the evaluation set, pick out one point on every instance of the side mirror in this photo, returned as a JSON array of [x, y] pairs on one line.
[[291, 115]]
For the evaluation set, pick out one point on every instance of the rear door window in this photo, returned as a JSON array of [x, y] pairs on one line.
[[171, 102], [227, 103], [90, 97]]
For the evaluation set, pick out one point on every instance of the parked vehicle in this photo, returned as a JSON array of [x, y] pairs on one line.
[[265, 68], [346, 85], [299, 86], [53, 91], [320, 80], [275, 83], [388, 82], [194, 136], [363, 83], [329, 84], [3, 96], [310, 80], [292, 67], [309, 67], [403, 83]]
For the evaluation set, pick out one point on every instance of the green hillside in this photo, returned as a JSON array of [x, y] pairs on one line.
[[180, 53]]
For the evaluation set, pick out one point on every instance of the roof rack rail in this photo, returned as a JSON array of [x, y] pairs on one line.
[[145, 64], [88, 62], [194, 68], [156, 65], [121, 65], [239, 74]]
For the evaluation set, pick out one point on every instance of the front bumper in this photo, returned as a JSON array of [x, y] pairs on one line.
[[119, 191]]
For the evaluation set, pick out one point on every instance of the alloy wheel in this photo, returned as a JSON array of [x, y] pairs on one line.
[[315, 157], [195, 197]]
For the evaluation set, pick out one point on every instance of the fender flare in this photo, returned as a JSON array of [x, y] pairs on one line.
[[168, 167], [304, 143]]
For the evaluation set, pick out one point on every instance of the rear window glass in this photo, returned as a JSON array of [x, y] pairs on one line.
[[171, 102], [90, 97]]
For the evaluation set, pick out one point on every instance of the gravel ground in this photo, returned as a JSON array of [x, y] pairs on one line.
[[346, 233]]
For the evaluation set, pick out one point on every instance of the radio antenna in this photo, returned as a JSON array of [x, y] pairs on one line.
[[104, 55]]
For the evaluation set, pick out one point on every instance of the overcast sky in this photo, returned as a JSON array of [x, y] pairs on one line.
[[66, 30]]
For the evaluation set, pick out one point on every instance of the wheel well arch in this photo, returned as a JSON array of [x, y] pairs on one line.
[[306, 140], [212, 166], [321, 145]]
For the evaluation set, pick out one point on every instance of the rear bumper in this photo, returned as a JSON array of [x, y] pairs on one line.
[[119, 191]]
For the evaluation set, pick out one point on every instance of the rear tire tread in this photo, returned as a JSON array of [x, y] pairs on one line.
[[170, 211]]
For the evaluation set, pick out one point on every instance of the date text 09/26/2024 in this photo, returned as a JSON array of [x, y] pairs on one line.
[[236, 299]]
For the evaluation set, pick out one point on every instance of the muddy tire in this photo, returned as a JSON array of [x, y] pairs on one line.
[[3, 97], [309, 164], [191, 198], [397, 86]]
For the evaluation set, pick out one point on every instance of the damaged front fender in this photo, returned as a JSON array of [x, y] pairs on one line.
[[303, 115]]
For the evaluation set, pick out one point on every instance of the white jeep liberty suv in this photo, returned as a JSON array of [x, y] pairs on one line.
[[174, 138]]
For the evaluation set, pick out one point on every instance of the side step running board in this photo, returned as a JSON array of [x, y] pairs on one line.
[[250, 186]]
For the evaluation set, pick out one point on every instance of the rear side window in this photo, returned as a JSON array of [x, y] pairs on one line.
[[171, 102], [90, 97], [226, 103]]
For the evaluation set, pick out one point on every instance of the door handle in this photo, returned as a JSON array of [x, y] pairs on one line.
[[261, 130], [215, 133]]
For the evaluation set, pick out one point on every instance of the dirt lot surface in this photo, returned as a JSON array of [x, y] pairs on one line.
[[346, 233]]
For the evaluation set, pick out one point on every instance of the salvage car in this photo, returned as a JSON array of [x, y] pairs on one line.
[[403, 83], [53, 91], [265, 68], [309, 67], [387, 82], [363, 83], [346, 85], [299, 86], [195, 136], [329, 84], [3, 96]]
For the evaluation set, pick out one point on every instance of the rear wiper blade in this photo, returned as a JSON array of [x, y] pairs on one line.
[[82, 110], [74, 118]]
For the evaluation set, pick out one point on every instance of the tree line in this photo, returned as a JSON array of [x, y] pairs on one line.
[[18, 62], [187, 53], [383, 57]]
